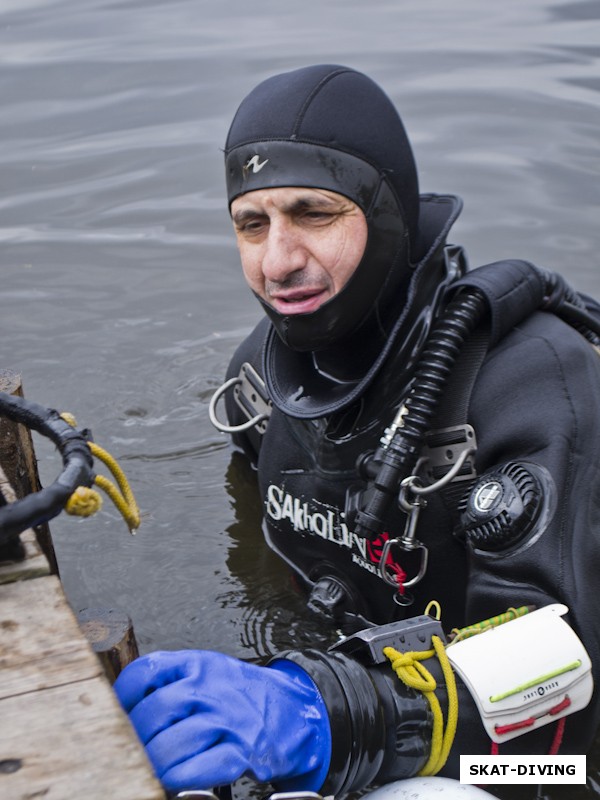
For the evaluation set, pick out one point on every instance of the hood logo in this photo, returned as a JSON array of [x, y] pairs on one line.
[[254, 164]]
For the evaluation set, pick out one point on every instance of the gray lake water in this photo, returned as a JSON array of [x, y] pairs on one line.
[[121, 296]]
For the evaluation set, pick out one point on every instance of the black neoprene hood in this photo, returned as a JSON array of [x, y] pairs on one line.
[[336, 110], [330, 127]]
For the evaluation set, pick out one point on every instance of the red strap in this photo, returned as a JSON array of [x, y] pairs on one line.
[[558, 734], [560, 707], [514, 726], [526, 723]]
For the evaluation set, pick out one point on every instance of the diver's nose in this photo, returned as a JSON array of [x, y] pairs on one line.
[[285, 251]]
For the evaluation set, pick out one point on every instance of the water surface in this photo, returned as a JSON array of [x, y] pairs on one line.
[[121, 296]]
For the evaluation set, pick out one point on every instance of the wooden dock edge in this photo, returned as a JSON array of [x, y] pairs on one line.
[[63, 733]]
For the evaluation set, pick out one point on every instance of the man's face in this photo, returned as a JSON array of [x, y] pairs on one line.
[[298, 246]]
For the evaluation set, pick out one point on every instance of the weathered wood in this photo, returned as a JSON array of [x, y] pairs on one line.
[[14, 549], [40, 642], [18, 460], [26, 561], [34, 563], [71, 742], [110, 632], [6, 489], [63, 733]]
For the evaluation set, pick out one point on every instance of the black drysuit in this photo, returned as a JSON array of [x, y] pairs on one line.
[[536, 404]]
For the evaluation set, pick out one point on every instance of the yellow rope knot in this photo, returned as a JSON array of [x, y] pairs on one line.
[[408, 668], [83, 502], [121, 495], [412, 673]]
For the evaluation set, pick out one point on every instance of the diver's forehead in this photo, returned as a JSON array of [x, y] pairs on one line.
[[286, 199]]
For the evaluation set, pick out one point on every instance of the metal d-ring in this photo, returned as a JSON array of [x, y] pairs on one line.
[[412, 481], [205, 794], [221, 426]]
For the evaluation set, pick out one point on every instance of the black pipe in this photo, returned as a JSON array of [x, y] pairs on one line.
[[562, 300], [77, 466]]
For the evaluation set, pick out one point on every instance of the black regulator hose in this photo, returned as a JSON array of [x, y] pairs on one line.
[[397, 456], [77, 466], [568, 304]]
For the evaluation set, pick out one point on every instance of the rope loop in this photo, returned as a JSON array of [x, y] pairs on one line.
[[415, 675], [411, 672], [84, 502]]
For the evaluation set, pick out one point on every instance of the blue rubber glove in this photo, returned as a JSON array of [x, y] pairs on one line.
[[206, 719]]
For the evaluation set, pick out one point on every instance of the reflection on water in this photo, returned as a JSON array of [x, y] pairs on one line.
[[121, 295], [273, 611]]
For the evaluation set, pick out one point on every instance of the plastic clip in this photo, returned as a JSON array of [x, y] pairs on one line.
[[407, 635]]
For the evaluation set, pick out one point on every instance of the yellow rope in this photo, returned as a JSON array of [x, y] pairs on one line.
[[411, 672], [124, 500], [129, 514], [433, 609], [85, 501]]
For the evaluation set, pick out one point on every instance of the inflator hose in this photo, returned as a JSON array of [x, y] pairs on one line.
[[570, 306], [395, 461], [77, 466]]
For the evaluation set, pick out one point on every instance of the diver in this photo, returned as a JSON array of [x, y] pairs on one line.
[[426, 439]]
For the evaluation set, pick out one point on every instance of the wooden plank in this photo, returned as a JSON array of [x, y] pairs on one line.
[[71, 742], [63, 732], [41, 644], [34, 565]]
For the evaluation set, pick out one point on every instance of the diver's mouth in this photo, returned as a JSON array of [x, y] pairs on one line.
[[298, 301]]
